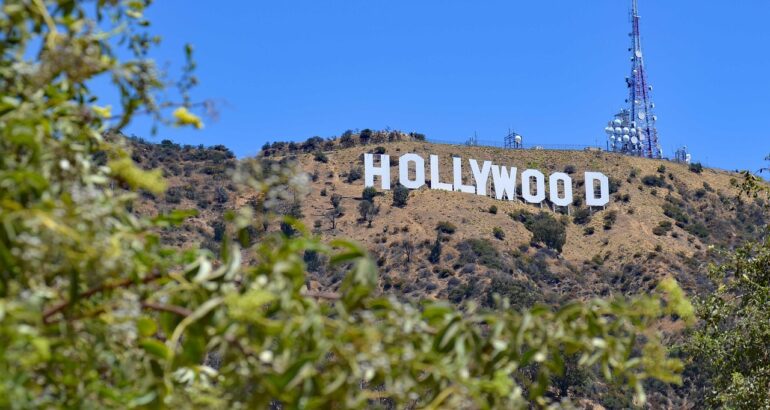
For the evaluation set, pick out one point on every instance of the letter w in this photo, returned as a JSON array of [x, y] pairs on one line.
[[505, 182]]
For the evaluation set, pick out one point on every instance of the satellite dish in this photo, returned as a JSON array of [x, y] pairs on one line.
[[634, 140], [618, 130], [626, 130], [612, 138], [633, 131], [517, 139], [609, 130], [617, 121], [626, 138], [638, 53], [642, 115]]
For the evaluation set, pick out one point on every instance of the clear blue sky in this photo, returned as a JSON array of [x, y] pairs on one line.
[[552, 70]]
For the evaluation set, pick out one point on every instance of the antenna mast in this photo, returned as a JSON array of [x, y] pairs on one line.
[[633, 131]]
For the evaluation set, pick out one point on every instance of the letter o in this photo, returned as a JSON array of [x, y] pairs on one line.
[[403, 171]]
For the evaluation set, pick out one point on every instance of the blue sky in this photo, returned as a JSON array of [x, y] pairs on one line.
[[552, 70]]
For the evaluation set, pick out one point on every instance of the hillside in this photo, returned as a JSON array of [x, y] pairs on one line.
[[663, 219]]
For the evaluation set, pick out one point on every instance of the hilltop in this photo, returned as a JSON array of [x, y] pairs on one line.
[[664, 219]]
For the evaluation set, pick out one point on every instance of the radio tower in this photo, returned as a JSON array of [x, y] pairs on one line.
[[633, 130]]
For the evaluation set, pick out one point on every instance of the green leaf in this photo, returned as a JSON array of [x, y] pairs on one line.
[[155, 348], [146, 326]]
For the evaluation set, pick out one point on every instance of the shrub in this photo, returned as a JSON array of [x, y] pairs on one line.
[[446, 227], [480, 251], [493, 209], [365, 136], [662, 169], [498, 233], [569, 169], [354, 175], [654, 181], [220, 195], [609, 219], [547, 230], [589, 230], [400, 195], [435, 252], [174, 195], [346, 140], [369, 193], [520, 293], [581, 216], [696, 167], [320, 157], [614, 185], [698, 229], [379, 150]]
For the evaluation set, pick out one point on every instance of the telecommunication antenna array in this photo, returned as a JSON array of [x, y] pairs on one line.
[[513, 140], [633, 130]]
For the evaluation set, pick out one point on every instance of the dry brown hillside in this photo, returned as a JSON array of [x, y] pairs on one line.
[[663, 219]]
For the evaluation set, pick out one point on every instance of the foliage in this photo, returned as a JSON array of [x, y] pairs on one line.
[[400, 195], [493, 209], [321, 157], [435, 252], [368, 211], [522, 294], [369, 193], [609, 219], [547, 230], [730, 346], [696, 167], [446, 227], [480, 251], [498, 233], [96, 313], [354, 174], [581, 216], [654, 181]]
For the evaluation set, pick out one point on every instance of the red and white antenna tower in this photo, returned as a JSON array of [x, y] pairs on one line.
[[633, 130]]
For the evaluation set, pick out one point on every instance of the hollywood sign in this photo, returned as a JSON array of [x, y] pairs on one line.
[[533, 182]]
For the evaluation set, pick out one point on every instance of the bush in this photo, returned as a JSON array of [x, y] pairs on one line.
[[379, 150], [547, 230], [569, 169], [400, 195], [696, 167], [609, 219], [220, 195], [435, 252], [320, 157], [480, 251], [365, 136], [589, 230], [498, 233], [520, 293], [369, 193], [446, 227], [581, 216], [493, 209], [654, 181], [662, 169], [698, 229], [346, 140], [354, 175]]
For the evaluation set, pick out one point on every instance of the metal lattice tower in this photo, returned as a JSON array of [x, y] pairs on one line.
[[633, 131], [512, 140]]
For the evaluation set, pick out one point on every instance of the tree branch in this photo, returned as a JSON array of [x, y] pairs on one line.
[[322, 295], [167, 308], [97, 289]]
